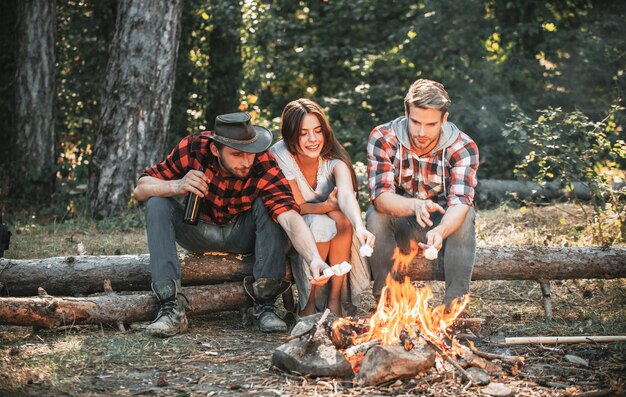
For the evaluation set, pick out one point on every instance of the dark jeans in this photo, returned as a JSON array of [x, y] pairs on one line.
[[458, 252], [252, 231]]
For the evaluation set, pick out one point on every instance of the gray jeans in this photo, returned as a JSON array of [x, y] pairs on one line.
[[459, 249], [253, 231]]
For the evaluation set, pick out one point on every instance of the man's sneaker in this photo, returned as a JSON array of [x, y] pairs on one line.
[[171, 319], [267, 318]]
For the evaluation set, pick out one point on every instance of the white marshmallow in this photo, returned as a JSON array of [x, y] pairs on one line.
[[431, 253], [366, 250], [341, 268]]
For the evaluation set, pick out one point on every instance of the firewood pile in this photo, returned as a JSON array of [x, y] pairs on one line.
[[317, 347]]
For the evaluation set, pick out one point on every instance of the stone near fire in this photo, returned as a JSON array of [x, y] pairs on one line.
[[308, 322], [478, 376], [384, 363], [316, 358]]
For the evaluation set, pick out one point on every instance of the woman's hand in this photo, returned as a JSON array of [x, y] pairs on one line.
[[365, 237], [317, 267]]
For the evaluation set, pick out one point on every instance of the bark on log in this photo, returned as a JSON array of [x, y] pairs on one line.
[[534, 263], [498, 191], [51, 312], [85, 274], [82, 275], [494, 191]]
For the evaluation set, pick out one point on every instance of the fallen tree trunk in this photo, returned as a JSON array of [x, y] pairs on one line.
[[534, 263], [495, 191], [498, 191], [86, 274], [83, 275], [50, 312]]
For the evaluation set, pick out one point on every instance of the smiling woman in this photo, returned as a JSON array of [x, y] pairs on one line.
[[323, 182]]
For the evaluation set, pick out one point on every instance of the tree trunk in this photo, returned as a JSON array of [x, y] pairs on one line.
[[136, 101], [34, 143], [85, 274], [82, 275], [49, 312], [225, 65], [499, 191], [534, 263], [8, 59]]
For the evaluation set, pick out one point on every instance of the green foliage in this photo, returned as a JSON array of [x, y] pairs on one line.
[[85, 29], [570, 147], [356, 58]]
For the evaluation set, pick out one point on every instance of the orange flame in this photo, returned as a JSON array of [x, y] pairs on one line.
[[403, 306]]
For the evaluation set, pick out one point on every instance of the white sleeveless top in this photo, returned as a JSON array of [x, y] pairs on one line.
[[289, 166]]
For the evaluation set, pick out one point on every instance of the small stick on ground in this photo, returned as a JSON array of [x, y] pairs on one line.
[[594, 393], [555, 340], [511, 360]]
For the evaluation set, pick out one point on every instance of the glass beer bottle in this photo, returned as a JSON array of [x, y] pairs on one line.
[[192, 208]]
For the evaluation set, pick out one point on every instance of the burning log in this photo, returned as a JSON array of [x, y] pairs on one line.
[[362, 348], [345, 331], [50, 312], [444, 355], [85, 274], [476, 361], [384, 363]]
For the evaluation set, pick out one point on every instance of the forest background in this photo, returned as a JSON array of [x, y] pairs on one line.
[[92, 92]]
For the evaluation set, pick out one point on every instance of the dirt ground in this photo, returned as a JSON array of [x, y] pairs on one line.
[[222, 356]]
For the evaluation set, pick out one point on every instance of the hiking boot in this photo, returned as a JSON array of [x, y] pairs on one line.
[[171, 319], [264, 293], [268, 320]]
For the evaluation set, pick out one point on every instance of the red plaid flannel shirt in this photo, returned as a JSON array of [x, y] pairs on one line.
[[228, 196], [422, 176]]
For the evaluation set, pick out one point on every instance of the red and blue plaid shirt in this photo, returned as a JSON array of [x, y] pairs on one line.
[[447, 176], [227, 196]]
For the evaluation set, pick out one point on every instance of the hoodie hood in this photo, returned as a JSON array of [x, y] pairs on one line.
[[449, 134]]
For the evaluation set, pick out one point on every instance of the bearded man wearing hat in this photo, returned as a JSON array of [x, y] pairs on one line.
[[246, 206]]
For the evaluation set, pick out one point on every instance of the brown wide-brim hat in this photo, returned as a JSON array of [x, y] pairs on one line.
[[235, 131]]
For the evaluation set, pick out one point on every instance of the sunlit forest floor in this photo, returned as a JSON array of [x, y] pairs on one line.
[[221, 356]]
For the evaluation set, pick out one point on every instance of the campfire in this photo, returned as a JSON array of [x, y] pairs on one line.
[[403, 312], [406, 335]]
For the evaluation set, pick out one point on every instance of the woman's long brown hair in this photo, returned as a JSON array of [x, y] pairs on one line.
[[291, 121]]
